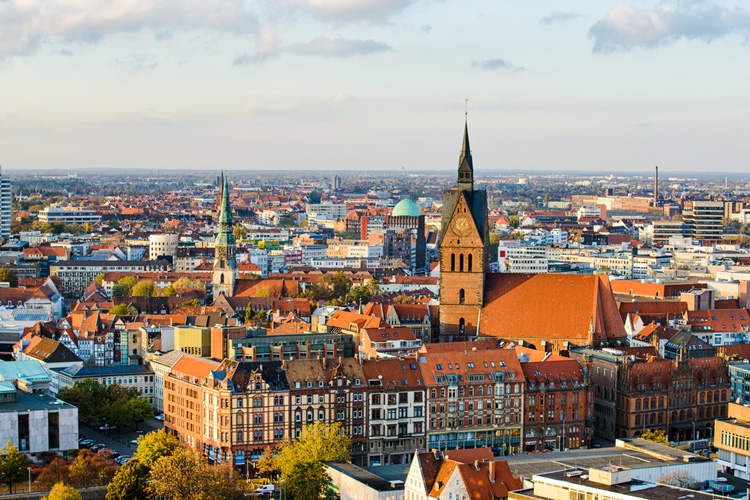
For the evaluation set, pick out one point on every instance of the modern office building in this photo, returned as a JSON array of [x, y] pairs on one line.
[[6, 202], [68, 215]]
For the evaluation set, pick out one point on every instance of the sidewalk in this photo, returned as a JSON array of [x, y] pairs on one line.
[[120, 440]]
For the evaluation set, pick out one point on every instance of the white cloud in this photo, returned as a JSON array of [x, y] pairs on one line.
[[557, 17], [495, 64], [266, 46], [627, 26], [135, 63], [338, 46], [24, 26], [356, 10]]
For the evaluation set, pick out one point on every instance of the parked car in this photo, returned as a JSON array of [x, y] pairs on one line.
[[123, 459], [98, 447], [88, 443], [160, 418], [266, 489]]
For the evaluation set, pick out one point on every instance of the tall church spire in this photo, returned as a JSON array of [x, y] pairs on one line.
[[465, 163], [225, 265]]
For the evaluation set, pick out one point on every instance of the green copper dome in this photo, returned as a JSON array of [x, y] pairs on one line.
[[406, 208]]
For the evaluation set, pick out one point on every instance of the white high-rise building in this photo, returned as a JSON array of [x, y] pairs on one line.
[[6, 204]]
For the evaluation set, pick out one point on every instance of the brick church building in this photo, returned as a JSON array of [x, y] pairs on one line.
[[551, 312]]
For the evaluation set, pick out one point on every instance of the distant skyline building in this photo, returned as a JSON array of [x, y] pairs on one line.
[[6, 204]]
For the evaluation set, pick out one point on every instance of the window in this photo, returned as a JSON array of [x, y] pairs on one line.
[[461, 296]]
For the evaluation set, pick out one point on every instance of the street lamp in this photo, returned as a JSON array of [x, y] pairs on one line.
[[29, 469]]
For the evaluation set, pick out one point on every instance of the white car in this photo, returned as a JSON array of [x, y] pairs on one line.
[[265, 489]]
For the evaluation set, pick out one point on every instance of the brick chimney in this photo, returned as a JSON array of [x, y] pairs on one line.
[[491, 470]]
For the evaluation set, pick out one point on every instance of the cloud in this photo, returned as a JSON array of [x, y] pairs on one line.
[[557, 17], [266, 47], [136, 63], [375, 11], [25, 26], [338, 46], [64, 52], [495, 64], [426, 29], [626, 27]]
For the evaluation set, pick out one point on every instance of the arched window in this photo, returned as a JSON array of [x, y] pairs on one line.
[[461, 262], [453, 262], [470, 259], [221, 278], [461, 296], [461, 325]]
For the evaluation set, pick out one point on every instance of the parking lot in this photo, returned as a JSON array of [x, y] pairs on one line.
[[122, 440]]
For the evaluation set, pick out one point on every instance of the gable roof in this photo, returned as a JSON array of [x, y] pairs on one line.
[[50, 351], [549, 306]]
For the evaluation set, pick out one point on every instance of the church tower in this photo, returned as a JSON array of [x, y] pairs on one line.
[[225, 265], [464, 256]]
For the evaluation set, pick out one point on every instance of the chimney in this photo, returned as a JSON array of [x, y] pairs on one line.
[[476, 464], [491, 470], [656, 185]]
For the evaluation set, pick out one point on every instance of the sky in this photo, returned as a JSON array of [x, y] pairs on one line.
[[374, 85]]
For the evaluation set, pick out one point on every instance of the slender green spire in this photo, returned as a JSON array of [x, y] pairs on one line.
[[226, 235]]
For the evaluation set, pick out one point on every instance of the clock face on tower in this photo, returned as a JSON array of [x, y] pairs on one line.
[[221, 253], [462, 226]]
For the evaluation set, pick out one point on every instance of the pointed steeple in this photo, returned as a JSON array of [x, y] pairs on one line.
[[225, 214], [465, 163]]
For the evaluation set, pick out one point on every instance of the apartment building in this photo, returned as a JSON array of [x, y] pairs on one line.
[[475, 398], [6, 203], [68, 215], [397, 411], [75, 275]]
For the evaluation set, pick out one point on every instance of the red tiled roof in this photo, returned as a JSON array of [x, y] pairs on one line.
[[549, 306]]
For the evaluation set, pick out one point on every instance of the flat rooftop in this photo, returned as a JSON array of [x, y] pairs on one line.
[[31, 402], [638, 454], [633, 488], [379, 478]]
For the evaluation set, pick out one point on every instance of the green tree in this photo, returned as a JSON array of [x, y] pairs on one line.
[[363, 293], [318, 442], [99, 278], [188, 283], [191, 303], [61, 491], [185, 475], [315, 197], [138, 410], [124, 310], [123, 286], [170, 291], [154, 445], [239, 231], [145, 288], [514, 220], [249, 314], [130, 482], [261, 316], [309, 481], [8, 275], [12, 466]]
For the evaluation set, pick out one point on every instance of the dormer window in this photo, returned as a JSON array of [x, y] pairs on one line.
[[356, 381], [309, 384], [320, 383]]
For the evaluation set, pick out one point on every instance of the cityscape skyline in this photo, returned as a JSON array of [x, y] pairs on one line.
[[289, 85]]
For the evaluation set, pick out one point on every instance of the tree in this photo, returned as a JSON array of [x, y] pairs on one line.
[[138, 410], [680, 478], [12, 466], [191, 303], [261, 316], [315, 197], [262, 291], [145, 288], [124, 310], [123, 286], [55, 472], [187, 283], [403, 299], [99, 278], [154, 445], [130, 482], [8, 275], [249, 314], [318, 442], [185, 475], [61, 491], [239, 231], [656, 436], [170, 291], [309, 482]]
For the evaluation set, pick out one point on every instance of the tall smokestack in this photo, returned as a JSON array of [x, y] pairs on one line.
[[656, 185]]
